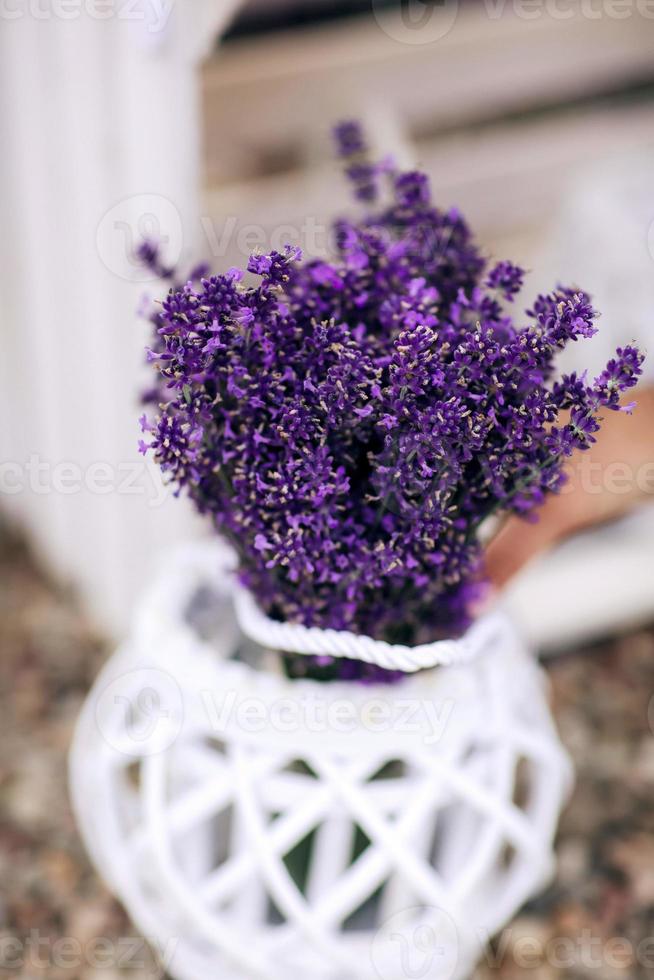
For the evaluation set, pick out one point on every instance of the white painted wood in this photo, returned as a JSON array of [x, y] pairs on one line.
[[96, 115]]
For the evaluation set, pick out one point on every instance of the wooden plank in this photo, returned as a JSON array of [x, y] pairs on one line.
[[276, 95], [507, 179]]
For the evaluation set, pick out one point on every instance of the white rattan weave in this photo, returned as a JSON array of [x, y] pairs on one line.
[[251, 838]]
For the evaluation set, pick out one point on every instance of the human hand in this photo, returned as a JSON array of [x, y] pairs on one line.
[[604, 483]]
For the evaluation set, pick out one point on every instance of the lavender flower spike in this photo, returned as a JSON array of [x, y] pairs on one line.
[[348, 424]]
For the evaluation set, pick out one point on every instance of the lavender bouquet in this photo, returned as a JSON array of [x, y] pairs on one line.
[[349, 425]]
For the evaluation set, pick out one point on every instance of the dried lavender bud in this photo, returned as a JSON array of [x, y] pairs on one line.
[[350, 424]]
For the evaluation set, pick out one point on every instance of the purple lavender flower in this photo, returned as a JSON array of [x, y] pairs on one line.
[[350, 424], [506, 277], [349, 138]]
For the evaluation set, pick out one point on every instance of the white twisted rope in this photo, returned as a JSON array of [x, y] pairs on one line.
[[313, 641]]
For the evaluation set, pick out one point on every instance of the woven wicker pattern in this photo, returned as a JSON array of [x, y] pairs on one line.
[[369, 832]]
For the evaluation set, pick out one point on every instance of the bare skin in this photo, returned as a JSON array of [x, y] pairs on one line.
[[607, 481]]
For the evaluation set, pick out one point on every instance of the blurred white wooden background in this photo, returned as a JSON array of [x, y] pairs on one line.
[[108, 126]]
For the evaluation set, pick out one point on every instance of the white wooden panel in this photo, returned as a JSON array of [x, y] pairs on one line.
[[96, 115]]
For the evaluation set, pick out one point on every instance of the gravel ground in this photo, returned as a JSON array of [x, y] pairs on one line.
[[596, 920]]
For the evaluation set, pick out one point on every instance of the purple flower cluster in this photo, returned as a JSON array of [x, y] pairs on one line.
[[349, 424]]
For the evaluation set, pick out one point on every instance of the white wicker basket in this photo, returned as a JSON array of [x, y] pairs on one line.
[[257, 827]]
